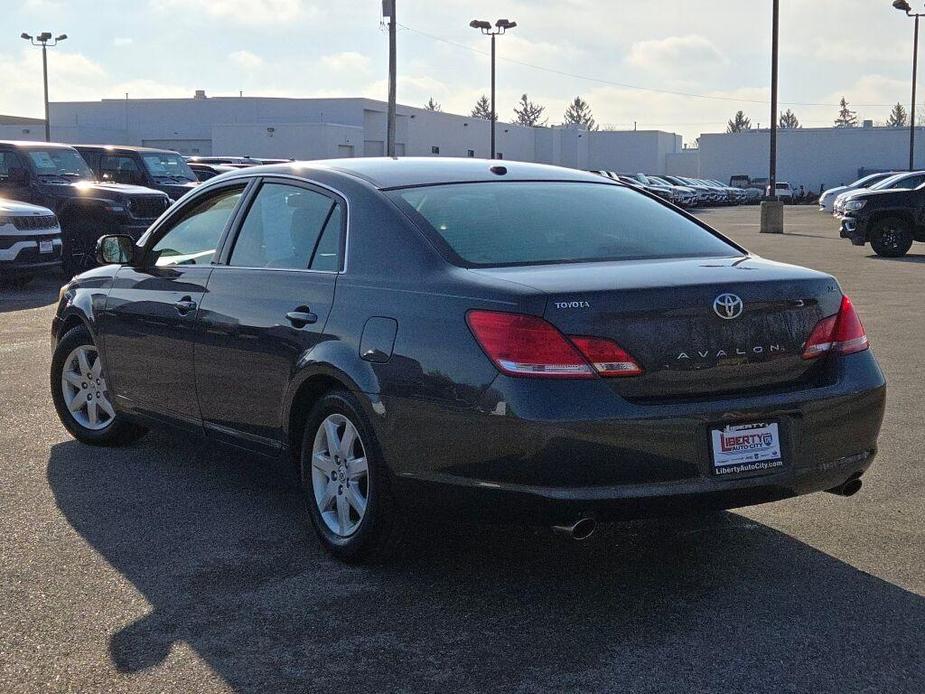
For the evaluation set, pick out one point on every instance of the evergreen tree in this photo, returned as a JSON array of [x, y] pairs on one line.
[[739, 123], [432, 105], [846, 117], [898, 117], [528, 113], [483, 109], [788, 120], [579, 113]]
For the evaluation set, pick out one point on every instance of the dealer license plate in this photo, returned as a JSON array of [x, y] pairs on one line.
[[746, 448], [46, 247]]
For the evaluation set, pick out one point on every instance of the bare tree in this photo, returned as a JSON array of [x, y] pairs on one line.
[[483, 109], [579, 113], [432, 105], [846, 117], [898, 117], [789, 121], [529, 113], [739, 123]]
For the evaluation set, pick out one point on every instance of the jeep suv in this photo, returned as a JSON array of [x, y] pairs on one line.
[[56, 176], [889, 218], [159, 169]]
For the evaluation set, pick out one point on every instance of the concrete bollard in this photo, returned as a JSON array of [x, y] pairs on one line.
[[772, 217]]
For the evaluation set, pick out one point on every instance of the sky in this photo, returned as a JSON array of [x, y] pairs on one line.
[[680, 65]]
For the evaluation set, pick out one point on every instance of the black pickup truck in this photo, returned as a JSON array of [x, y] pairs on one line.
[[890, 219], [56, 176], [159, 169]]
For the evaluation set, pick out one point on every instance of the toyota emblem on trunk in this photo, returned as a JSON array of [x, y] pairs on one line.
[[728, 306]]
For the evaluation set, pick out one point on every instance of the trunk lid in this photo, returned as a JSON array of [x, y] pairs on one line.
[[698, 327]]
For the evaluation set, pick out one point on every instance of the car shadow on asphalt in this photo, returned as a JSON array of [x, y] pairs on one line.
[[218, 545], [42, 291], [908, 258]]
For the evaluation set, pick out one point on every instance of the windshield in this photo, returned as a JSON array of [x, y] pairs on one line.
[[541, 222], [60, 163], [903, 180], [168, 165], [870, 180]]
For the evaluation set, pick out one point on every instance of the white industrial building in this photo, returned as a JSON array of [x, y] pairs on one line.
[[809, 157], [355, 127], [349, 127]]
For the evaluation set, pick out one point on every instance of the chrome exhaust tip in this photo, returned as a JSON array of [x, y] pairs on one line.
[[849, 488], [580, 530]]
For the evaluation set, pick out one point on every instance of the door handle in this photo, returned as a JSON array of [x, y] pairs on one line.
[[185, 305], [302, 316]]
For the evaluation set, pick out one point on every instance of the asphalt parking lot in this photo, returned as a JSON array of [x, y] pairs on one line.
[[169, 566]]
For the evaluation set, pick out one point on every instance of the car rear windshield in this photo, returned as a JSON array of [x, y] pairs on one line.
[[541, 222]]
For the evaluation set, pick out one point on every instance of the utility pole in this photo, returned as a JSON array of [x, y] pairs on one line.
[[772, 209], [388, 10]]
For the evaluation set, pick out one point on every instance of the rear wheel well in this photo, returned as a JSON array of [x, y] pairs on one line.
[[308, 394]]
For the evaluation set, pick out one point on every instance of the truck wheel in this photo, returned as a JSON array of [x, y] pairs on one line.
[[79, 245], [891, 237]]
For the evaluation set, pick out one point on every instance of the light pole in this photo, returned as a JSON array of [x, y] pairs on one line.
[[772, 209], [42, 40], [501, 26], [904, 6]]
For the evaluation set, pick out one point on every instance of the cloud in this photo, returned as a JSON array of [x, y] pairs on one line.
[[72, 77], [349, 61], [242, 11], [119, 41], [246, 60], [676, 53]]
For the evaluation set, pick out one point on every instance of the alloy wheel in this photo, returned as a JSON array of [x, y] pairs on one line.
[[83, 385], [340, 475]]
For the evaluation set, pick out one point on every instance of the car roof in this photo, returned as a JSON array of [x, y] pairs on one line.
[[36, 144], [402, 172], [130, 148]]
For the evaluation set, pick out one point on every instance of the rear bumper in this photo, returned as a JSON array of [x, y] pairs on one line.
[[549, 451]]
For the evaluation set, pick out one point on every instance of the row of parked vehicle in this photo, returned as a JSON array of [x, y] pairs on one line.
[[687, 192], [884, 209], [56, 200]]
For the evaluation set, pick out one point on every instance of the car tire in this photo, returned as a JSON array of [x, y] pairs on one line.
[[80, 395], [351, 504], [891, 237], [78, 252]]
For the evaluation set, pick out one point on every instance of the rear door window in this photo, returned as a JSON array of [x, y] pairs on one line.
[[282, 228]]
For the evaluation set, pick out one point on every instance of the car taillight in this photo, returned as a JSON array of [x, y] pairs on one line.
[[607, 357], [841, 334], [522, 345]]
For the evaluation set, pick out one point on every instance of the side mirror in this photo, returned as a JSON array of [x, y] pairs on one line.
[[115, 248]]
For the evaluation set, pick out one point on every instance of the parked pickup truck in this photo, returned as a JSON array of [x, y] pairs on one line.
[[889, 219], [56, 176]]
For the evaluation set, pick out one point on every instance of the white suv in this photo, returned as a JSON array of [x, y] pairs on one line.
[[30, 241]]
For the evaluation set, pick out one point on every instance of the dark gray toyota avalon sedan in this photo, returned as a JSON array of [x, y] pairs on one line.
[[437, 336]]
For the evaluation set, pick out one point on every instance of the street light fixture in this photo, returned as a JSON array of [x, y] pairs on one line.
[[43, 41], [904, 6], [501, 26]]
